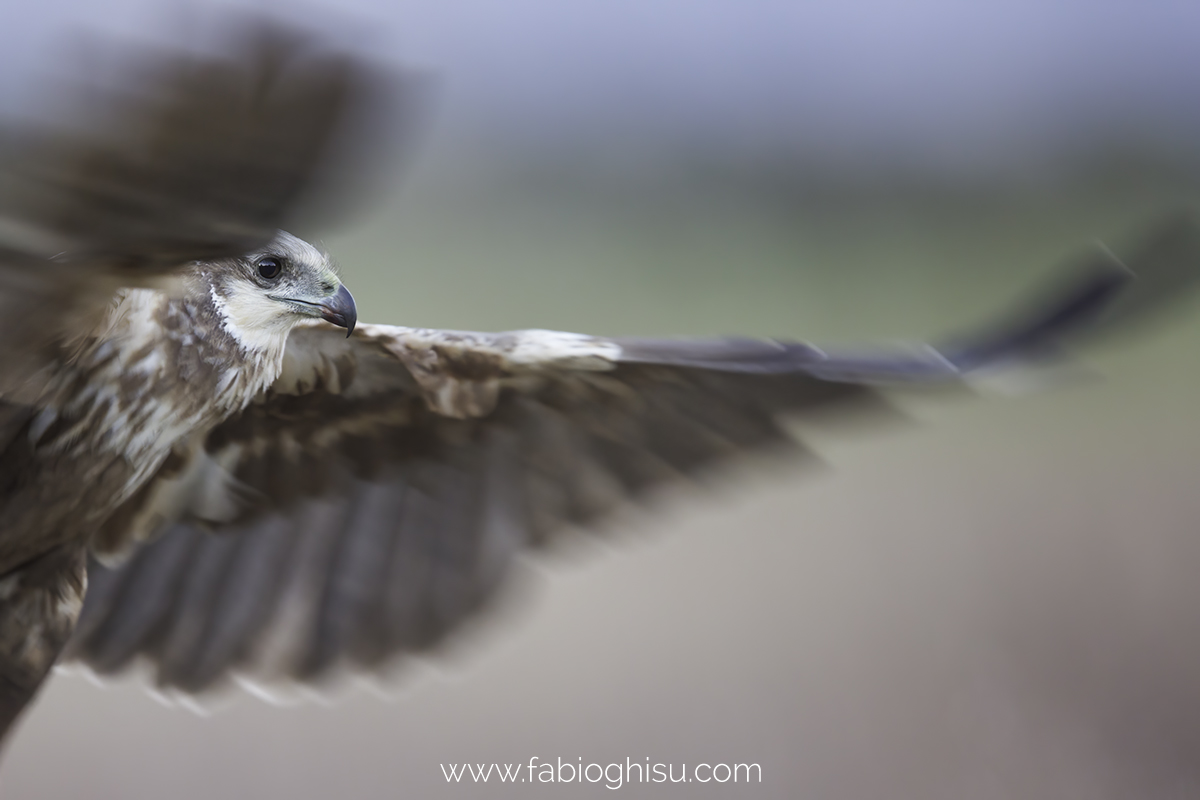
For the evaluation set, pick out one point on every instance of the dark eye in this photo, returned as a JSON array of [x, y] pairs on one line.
[[269, 267]]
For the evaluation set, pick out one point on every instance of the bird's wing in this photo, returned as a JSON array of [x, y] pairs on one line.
[[161, 157], [377, 495]]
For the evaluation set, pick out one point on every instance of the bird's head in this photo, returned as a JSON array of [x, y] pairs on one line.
[[262, 295]]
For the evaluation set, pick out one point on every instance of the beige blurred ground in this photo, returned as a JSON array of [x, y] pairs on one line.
[[998, 601]]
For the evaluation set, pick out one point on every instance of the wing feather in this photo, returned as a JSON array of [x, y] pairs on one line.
[[139, 605], [248, 595], [176, 644]]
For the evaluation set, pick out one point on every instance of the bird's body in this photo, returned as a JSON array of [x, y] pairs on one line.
[[159, 370], [181, 398], [108, 419]]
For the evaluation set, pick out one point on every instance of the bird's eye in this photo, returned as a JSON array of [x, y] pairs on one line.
[[269, 267]]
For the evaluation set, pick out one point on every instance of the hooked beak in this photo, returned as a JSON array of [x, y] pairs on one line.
[[340, 310]]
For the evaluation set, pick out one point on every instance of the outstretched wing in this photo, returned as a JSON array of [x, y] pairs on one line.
[[376, 496], [178, 157]]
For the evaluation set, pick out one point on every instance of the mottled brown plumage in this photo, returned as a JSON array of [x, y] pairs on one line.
[[45, 596], [130, 227]]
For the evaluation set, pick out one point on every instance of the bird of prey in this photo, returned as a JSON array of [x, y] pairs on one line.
[[208, 465]]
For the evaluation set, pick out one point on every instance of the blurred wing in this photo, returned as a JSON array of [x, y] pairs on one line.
[[179, 157], [377, 495]]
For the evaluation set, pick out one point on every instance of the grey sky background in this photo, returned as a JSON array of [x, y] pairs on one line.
[[956, 88]]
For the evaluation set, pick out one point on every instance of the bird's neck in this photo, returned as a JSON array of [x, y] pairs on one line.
[[204, 348], [162, 369]]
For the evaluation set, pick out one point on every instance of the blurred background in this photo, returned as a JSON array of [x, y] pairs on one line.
[[996, 600]]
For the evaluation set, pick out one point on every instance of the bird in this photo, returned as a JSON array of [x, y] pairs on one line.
[[209, 465]]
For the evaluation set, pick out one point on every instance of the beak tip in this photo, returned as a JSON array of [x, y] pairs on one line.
[[341, 310]]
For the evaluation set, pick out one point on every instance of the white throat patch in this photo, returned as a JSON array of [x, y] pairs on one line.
[[253, 319]]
